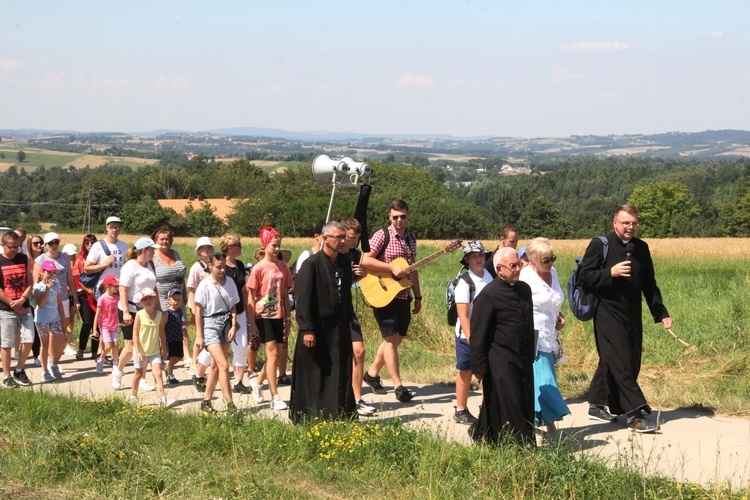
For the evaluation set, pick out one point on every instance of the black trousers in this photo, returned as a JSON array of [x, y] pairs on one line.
[[87, 325]]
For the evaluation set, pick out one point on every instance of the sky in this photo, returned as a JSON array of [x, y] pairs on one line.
[[465, 68]]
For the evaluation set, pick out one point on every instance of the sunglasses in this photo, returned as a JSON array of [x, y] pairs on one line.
[[37, 243], [238, 245], [397, 217], [54, 242], [220, 256], [549, 260]]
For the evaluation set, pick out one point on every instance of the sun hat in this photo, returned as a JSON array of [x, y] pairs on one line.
[[522, 252], [473, 246], [145, 243], [110, 279], [146, 293], [50, 237], [70, 249], [49, 265], [203, 241], [113, 219]]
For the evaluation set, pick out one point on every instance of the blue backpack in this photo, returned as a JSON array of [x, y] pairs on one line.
[[583, 304]]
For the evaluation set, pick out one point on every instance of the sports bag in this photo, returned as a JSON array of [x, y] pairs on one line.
[[583, 304], [89, 280]]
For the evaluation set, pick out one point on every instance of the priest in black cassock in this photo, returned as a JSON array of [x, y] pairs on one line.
[[619, 282], [502, 354], [322, 366]]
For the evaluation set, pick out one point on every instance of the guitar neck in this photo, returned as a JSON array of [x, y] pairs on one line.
[[424, 261]]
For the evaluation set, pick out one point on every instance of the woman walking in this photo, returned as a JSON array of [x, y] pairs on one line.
[[34, 248], [86, 299]]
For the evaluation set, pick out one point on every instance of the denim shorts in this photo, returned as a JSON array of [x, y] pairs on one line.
[[214, 331]]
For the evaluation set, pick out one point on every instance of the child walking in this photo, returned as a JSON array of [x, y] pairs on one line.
[[175, 330], [149, 345], [48, 316], [201, 360], [106, 322]]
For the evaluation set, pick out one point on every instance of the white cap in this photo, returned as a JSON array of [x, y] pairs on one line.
[[50, 237], [203, 241], [113, 219], [145, 243], [70, 249]]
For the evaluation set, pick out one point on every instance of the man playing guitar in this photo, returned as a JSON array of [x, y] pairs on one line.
[[394, 318]]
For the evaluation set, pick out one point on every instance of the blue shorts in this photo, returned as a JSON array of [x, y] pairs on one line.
[[394, 318], [463, 354]]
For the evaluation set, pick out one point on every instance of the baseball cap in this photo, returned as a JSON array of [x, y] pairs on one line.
[[174, 291], [50, 237], [145, 243], [113, 219], [110, 280], [70, 249], [473, 246], [146, 293], [49, 265]]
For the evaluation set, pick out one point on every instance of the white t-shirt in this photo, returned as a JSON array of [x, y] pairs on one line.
[[302, 257], [462, 294], [215, 299], [136, 278], [96, 256]]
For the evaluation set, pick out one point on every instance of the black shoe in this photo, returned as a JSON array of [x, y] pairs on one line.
[[171, 380], [374, 383], [464, 417], [284, 380], [641, 425], [207, 408], [20, 377], [200, 383], [240, 388], [403, 394], [598, 413], [79, 354], [9, 382], [232, 408]]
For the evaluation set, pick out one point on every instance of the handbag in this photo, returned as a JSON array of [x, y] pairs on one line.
[[89, 280]]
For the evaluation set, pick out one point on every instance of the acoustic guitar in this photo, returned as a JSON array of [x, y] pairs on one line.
[[381, 287]]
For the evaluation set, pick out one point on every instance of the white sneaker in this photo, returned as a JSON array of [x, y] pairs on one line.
[[364, 409], [69, 349], [145, 386], [167, 403], [47, 377], [257, 393], [116, 378], [55, 371], [99, 366], [133, 399], [37, 361], [277, 404]]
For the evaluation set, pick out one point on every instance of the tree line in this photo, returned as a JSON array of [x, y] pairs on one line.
[[573, 200]]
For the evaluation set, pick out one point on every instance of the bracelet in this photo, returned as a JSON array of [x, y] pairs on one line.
[[417, 297]]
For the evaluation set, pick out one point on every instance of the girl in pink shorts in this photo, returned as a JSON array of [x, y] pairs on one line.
[[106, 322]]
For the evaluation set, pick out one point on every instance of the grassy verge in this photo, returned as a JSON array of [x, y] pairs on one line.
[[57, 447]]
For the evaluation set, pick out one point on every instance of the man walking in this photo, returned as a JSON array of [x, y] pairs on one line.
[[502, 354], [394, 318], [322, 365], [509, 239], [619, 281], [15, 311], [107, 262]]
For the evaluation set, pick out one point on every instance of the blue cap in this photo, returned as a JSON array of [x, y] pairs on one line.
[[174, 291]]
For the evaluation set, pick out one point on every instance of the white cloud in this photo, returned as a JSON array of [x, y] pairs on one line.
[[166, 84], [594, 47], [9, 65], [716, 35], [100, 83], [562, 75], [411, 79]]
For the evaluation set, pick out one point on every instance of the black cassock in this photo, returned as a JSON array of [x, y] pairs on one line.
[[322, 375], [618, 327], [502, 349]]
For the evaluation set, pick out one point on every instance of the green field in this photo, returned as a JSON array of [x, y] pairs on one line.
[[37, 157]]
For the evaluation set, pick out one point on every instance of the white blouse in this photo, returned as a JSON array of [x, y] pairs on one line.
[[547, 302]]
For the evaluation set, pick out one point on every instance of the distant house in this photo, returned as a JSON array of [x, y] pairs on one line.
[[222, 207]]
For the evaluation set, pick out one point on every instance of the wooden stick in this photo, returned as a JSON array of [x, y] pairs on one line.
[[690, 346]]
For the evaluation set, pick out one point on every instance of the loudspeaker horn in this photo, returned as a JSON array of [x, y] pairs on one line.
[[325, 169]]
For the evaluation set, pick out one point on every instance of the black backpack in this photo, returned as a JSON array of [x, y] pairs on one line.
[[583, 304], [450, 295], [89, 280]]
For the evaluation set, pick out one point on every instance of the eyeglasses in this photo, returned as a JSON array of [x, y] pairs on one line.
[[629, 224], [549, 260], [512, 267], [54, 242], [37, 243], [340, 237], [16, 247], [397, 217]]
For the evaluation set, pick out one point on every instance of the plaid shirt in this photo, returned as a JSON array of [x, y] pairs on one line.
[[405, 247]]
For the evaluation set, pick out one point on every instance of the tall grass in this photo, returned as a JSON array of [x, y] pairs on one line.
[[58, 447]]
